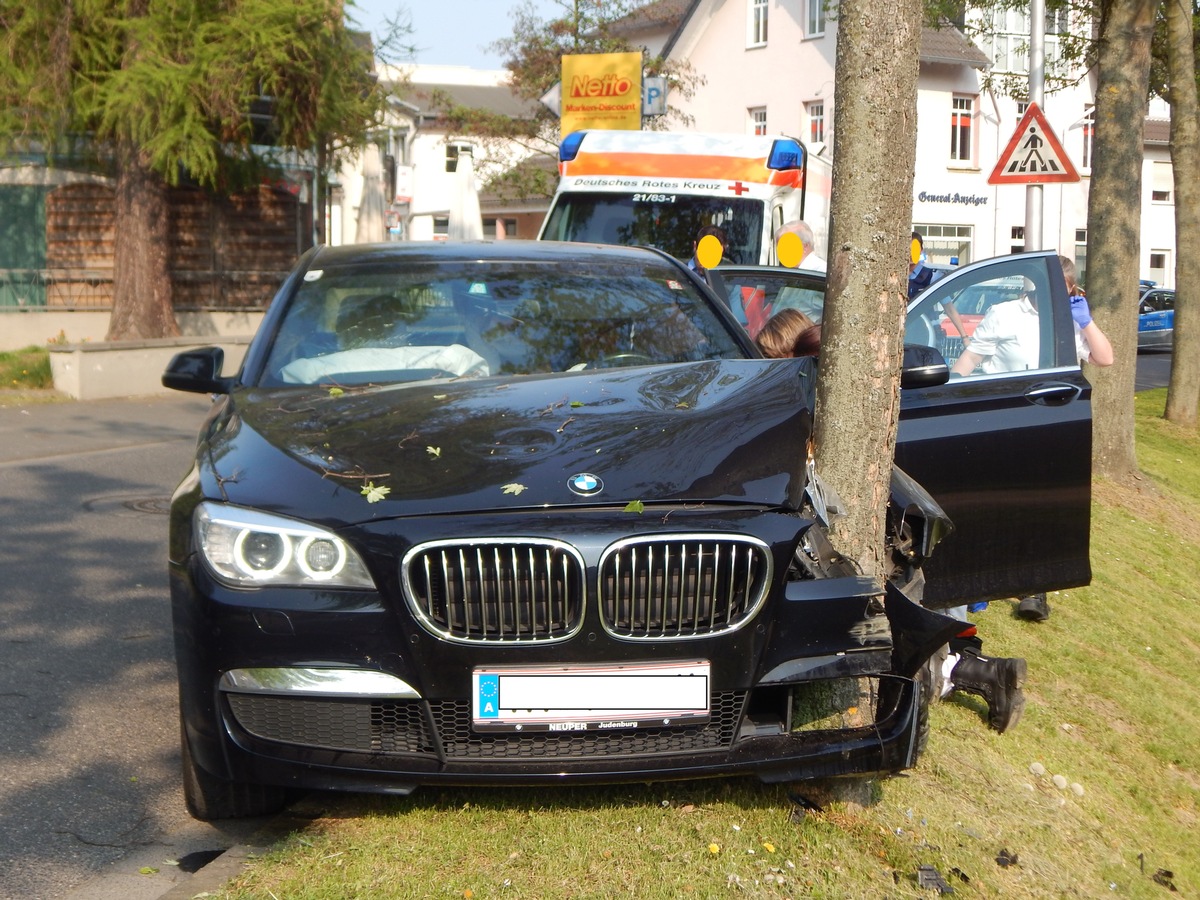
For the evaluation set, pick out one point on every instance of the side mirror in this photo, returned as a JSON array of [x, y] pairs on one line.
[[197, 371], [923, 367]]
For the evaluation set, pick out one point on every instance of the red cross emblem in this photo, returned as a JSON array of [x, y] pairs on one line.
[[739, 188]]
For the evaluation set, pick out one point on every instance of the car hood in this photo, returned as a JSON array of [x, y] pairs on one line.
[[729, 431]]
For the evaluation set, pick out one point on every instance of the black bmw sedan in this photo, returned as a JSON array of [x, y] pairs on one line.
[[501, 513]]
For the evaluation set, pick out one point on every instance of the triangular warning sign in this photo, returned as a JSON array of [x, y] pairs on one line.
[[1033, 155]]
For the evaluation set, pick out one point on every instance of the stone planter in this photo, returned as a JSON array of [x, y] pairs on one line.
[[93, 371]]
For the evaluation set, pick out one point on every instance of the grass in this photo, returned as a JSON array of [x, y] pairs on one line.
[[25, 378], [1111, 709], [27, 369]]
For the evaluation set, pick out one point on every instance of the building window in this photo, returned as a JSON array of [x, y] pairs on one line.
[[816, 121], [947, 245], [1089, 132], [1018, 239], [757, 32], [441, 227], [1161, 183], [814, 19], [962, 138], [1004, 36], [758, 120], [499, 229], [1159, 265]]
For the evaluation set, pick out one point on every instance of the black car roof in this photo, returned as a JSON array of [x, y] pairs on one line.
[[488, 250]]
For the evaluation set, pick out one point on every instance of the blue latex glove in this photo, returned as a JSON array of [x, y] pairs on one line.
[[1080, 312]]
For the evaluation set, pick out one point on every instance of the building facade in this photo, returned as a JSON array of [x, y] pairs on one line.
[[769, 66]]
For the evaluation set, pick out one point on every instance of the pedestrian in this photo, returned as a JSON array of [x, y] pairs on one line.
[[809, 260]]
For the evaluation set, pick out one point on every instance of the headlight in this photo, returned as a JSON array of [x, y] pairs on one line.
[[250, 549]]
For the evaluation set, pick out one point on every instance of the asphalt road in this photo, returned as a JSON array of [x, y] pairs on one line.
[[89, 759], [1153, 370]]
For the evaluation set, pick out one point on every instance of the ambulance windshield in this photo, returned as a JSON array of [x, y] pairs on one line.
[[667, 221]]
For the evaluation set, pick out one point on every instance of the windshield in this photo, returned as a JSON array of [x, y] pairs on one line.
[[664, 220], [382, 323]]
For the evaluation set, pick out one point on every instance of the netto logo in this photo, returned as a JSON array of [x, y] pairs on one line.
[[608, 86]]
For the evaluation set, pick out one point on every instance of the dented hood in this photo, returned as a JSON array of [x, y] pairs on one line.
[[726, 431]]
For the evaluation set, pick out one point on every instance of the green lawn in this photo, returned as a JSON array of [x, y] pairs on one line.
[[1111, 709]]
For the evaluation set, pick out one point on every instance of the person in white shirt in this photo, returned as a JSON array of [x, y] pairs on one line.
[[1008, 338]]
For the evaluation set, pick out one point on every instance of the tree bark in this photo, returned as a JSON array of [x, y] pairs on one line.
[[1114, 224], [1183, 393], [858, 392], [142, 304]]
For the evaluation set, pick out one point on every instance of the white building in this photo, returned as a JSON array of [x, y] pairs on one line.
[[769, 67], [420, 159]]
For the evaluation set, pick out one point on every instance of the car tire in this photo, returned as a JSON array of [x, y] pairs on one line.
[[208, 797]]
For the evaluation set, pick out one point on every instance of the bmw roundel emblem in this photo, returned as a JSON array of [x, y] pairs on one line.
[[585, 484]]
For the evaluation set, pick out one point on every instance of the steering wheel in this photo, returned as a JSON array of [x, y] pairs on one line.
[[625, 359]]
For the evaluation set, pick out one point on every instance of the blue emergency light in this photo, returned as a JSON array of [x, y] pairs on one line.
[[569, 148], [786, 153]]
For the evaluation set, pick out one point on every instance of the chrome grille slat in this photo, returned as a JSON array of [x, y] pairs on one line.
[[682, 586], [496, 591]]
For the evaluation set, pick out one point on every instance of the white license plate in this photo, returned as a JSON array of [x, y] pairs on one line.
[[590, 698]]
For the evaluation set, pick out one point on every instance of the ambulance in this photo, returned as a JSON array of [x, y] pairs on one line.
[[660, 188]]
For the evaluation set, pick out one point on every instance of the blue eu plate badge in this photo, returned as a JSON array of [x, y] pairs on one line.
[[488, 687]]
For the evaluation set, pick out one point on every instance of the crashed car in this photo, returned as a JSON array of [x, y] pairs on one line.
[[531, 513]]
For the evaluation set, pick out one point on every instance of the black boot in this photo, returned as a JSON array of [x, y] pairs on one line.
[[1034, 608], [997, 681]]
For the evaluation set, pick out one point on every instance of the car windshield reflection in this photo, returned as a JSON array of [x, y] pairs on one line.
[[362, 325]]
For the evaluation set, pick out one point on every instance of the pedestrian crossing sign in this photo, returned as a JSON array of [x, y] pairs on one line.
[[1033, 155]]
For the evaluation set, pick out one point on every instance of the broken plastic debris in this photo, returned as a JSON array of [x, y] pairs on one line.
[[1165, 877], [929, 877]]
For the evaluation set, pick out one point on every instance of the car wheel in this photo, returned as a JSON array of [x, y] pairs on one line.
[[209, 797]]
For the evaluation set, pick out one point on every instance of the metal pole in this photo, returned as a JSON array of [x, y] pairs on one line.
[[1037, 79]]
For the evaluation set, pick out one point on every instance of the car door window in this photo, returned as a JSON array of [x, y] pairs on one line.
[[993, 315]]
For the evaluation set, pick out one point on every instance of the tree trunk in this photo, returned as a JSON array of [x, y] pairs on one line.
[[142, 306], [858, 393], [1183, 394], [1114, 224]]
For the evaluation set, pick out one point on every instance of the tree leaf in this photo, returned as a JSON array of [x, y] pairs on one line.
[[435, 452], [635, 506], [514, 489], [374, 493]]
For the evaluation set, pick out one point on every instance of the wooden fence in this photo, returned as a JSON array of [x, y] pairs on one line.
[[226, 252]]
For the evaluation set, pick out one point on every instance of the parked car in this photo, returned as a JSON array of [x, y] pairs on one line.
[[539, 512], [1156, 318]]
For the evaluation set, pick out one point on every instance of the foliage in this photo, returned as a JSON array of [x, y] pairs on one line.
[[1110, 710], [533, 57], [184, 80]]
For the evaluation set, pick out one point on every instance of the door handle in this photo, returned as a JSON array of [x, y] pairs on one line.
[[1054, 394]]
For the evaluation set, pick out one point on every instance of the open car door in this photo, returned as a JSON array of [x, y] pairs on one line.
[[1006, 453]]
